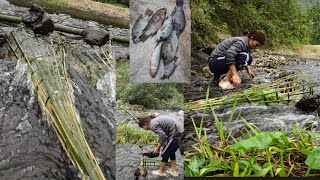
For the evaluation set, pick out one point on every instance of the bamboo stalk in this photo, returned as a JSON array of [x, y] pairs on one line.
[[286, 89], [62, 28], [55, 99]]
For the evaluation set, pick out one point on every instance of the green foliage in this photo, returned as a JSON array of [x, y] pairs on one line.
[[314, 18], [122, 3], [122, 75], [260, 154], [156, 95], [153, 95], [127, 133], [284, 22]]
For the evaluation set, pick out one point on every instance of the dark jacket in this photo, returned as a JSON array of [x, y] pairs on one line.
[[166, 127], [231, 47]]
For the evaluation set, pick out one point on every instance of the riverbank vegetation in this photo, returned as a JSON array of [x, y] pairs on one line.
[[286, 23], [255, 153], [127, 133], [150, 95]]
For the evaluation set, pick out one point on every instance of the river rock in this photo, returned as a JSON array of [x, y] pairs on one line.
[[309, 103], [97, 37], [3, 37], [38, 20]]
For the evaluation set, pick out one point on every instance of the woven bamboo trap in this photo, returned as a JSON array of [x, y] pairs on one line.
[[286, 89], [147, 162], [46, 58]]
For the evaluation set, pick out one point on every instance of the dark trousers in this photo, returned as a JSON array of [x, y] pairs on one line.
[[218, 65], [170, 151]]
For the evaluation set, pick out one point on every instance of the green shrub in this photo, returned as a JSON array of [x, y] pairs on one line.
[[122, 3], [151, 95], [126, 133]]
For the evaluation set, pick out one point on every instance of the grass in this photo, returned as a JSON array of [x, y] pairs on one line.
[[126, 133], [115, 2], [258, 154]]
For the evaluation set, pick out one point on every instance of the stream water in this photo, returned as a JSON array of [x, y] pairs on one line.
[[266, 118], [29, 146]]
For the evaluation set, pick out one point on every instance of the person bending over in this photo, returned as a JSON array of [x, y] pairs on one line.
[[169, 130], [232, 55]]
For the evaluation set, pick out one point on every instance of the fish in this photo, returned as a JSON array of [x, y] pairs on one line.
[[165, 31], [154, 24], [170, 68], [140, 171], [140, 24], [155, 60], [170, 45], [179, 16]]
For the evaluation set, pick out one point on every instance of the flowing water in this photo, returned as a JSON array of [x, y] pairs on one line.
[[29, 146], [266, 118]]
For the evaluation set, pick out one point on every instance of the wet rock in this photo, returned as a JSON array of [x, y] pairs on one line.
[[97, 37], [309, 103], [38, 20], [3, 37]]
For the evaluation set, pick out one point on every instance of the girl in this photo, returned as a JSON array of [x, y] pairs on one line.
[[233, 54], [169, 130]]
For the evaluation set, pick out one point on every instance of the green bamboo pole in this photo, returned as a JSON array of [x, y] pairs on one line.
[[62, 28]]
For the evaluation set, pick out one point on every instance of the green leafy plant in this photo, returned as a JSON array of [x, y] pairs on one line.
[[256, 154], [127, 133]]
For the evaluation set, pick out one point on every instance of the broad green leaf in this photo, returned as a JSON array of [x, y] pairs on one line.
[[313, 159], [263, 172], [260, 141]]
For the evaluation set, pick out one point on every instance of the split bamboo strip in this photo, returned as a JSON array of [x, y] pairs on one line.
[[47, 64], [283, 90]]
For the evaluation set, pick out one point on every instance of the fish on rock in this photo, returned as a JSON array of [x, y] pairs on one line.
[[179, 16], [140, 24], [165, 31], [140, 171], [170, 45], [155, 60], [170, 68], [154, 24]]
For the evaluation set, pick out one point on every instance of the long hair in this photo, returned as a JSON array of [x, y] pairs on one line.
[[145, 120]]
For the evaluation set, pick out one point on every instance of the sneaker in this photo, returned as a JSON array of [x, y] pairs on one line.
[[226, 85], [174, 174], [158, 173]]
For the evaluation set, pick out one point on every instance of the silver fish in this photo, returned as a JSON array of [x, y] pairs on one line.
[[165, 31], [170, 68], [154, 24], [140, 24], [155, 60], [170, 46], [178, 15]]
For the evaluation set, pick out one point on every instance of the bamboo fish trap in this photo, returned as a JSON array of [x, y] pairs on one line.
[[46, 58], [147, 162], [283, 90]]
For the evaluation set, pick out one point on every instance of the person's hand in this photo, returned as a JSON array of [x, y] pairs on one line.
[[156, 150], [251, 73], [236, 81]]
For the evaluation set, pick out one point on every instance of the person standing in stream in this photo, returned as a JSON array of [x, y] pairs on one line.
[[169, 131], [232, 55]]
